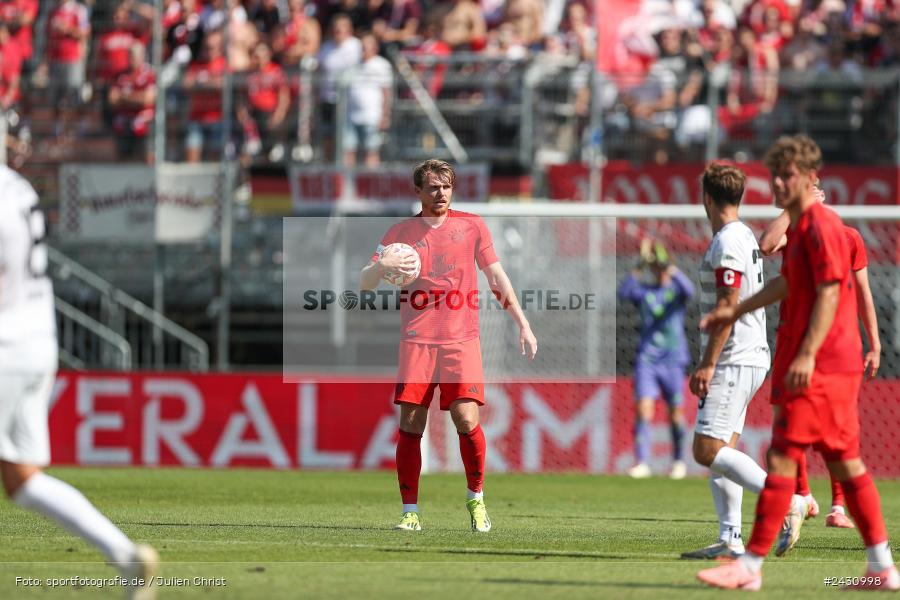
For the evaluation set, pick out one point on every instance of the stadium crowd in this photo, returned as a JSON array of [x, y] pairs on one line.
[[670, 51], [66, 51]]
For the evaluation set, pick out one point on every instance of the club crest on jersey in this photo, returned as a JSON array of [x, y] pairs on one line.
[[457, 235]]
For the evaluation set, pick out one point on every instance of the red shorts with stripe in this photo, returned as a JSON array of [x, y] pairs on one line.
[[825, 416], [455, 368]]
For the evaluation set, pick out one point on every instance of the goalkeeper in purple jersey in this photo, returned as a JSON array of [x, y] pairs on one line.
[[662, 354]]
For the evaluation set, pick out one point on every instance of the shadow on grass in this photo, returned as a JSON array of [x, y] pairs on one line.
[[605, 518], [508, 552], [603, 584]]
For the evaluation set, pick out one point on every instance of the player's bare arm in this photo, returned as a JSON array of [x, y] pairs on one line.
[[866, 307], [773, 292], [774, 236], [800, 371], [390, 261], [503, 290], [726, 297]]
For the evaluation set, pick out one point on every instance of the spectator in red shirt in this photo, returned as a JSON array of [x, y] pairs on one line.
[[68, 31], [432, 45], [10, 69], [132, 98], [112, 47], [203, 83], [266, 106], [19, 16]]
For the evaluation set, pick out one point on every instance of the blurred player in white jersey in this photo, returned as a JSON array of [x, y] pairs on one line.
[[28, 360], [734, 359]]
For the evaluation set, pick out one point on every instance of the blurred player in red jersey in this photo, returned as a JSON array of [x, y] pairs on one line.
[[816, 374], [773, 240], [439, 342]]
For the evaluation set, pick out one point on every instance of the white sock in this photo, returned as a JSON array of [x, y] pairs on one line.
[[470, 495], [71, 510], [879, 557], [753, 562], [410, 508], [727, 496], [835, 508], [739, 468], [801, 504]]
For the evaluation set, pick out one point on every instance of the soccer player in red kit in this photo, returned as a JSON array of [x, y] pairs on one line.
[[772, 241], [816, 376], [439, 343]]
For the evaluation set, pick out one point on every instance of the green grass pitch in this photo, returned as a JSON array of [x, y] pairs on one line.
[[289, 534]]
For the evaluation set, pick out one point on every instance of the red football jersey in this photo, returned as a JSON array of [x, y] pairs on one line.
[[818, 252], [441, 306], [858, 258]]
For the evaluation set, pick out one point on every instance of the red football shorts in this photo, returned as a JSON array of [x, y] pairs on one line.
[[456, 368], [825, 416]]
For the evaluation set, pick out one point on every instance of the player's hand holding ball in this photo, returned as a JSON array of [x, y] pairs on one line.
[[400, 264]]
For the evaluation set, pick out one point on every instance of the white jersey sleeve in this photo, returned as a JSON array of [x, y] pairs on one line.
[[27, 317], [735, 250]]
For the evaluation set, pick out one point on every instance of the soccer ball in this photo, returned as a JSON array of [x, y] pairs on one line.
[[399, 279]]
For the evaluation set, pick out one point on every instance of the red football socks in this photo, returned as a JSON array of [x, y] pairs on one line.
[[802, 477], [864, 505], [472, 448], [409, 465], [773, 505], [837, 493]]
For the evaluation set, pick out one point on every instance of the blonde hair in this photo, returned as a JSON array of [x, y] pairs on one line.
[[433, 165]]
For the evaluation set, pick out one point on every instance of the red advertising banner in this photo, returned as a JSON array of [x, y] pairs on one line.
[[257, 420], [680, 183]]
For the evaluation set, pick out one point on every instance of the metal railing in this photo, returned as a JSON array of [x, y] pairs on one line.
[[154, 341], [86, 343]]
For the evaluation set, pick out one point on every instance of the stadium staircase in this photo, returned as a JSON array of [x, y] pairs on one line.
[[102, 327]]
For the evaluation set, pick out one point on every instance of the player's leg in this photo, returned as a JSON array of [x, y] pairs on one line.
[[837, 516], [803, 489], [413, 420], [774, 503], [462, 392], [727, 498], [720, 421], [25, 447], [671, 382], [721, 415], [413, 393], [646, 390], [864, 504], [473, 450], [840, 449]]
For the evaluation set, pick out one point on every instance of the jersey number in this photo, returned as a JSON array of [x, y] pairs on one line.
[[757, 255], [37, 251]]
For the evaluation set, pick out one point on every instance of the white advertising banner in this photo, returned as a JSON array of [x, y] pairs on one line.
[[188, 199], [123, 203]]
